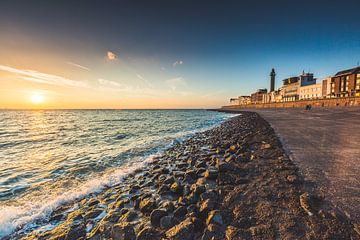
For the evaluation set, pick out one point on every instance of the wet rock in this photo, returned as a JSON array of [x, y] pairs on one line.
[[76, 231], [57, 217], [93, 202], [168, 206], [176, 188], [147, 233], [209, 195], [167, 222], [211, 174], [207, 206], [213, 232], [190, 176], [93, 213], [164, 189], [180, 212], [134, 189], [182, 231], [156, 215], [112, 216], [123, 231], [198, 189], [169, 180], [214, 217], [147, 205], [129, 216]]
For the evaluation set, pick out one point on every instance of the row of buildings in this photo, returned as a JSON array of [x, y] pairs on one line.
[[344, 83]]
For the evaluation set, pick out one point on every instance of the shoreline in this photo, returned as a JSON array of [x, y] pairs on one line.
[[233, 181]]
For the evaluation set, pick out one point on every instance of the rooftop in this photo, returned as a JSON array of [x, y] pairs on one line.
[[348, 71]]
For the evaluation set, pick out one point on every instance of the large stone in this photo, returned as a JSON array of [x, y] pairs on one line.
[[198, 189], [182, 231], [167, 222], [123, 231], [180, 212], [207, 206], [211, 174], [128, 216], [156, 215], [147, 205], [213, 232], [76, 231], [214, 217], [176, 188], [147, 233]]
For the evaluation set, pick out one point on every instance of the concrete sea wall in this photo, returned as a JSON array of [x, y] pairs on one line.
[[328, 102]]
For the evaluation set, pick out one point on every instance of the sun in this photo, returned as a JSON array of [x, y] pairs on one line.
[[36, 98]]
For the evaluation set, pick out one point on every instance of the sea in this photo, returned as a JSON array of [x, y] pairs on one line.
[[51, 157]]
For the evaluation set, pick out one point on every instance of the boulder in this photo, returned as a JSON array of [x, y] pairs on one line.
[[207, 206], [123, 231], [180, 212], [176, 188], [156, 215], [214, 217], [147, 205], [147, 233], [167, 222], [211, 174], [182, 231], [129, 216]]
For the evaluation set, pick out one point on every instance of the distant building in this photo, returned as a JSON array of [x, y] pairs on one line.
[[346, 83], [313, 91], [241, 100], [290, 89], [244, 100], [307, 79], [257, 97], [326, 88], [234, 101], [291, 86]]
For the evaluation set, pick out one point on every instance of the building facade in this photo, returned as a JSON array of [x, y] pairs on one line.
[[326, 88], [257, 97], [346, 83], [313, 91], [290, 89]]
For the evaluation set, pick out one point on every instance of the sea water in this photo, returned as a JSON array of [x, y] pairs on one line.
[[50, 157]]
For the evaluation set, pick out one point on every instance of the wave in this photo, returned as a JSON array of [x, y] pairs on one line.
[[13, 218]]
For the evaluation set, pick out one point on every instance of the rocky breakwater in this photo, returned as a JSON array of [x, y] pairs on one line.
[[230, 182]]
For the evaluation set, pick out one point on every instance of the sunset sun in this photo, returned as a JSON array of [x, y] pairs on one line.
[[36, 98]]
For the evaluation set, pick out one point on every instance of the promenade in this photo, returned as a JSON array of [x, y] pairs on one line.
[[325, 145]]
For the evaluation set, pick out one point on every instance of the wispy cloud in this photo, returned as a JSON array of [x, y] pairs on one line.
[[113, 84], [179, 62], [213, 94], [144, 80], [45, 78], [175, 83], [78, 65], [111, 56]]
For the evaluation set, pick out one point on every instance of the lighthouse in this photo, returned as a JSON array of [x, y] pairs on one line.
[[272, 80]]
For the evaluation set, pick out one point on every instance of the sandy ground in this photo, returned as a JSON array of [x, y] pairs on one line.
[[325, 145]]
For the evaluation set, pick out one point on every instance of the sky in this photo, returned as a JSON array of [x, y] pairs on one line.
[[166, 54]]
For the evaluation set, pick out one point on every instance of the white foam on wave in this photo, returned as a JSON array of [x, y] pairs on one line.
[[14, 217]]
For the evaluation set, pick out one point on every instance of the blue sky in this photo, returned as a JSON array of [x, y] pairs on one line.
[[184, 53]]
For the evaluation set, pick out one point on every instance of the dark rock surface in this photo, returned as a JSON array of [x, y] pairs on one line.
[[231, 182]]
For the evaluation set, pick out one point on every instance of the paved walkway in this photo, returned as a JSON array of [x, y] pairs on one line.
[[325, 144]]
